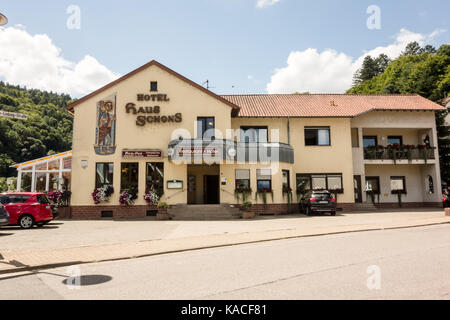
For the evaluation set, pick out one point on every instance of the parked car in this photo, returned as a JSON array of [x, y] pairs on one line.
[[445, 201], [27, 209], [4, 216], [317, 201]]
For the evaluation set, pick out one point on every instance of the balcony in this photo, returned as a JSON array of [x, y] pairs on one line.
[[409, 153], [219, 150]]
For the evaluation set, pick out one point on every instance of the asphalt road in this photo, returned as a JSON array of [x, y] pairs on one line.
[[405, 263]]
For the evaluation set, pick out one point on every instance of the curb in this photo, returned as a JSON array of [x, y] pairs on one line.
[[71, 263]]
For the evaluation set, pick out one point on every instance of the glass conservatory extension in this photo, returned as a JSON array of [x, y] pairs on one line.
[[45, 174]]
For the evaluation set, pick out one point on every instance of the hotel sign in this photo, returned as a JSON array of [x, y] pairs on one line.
[[197, 151], [151, 114], [143, 154]]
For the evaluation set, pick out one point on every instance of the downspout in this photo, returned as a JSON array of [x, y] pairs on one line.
[[289, 130]]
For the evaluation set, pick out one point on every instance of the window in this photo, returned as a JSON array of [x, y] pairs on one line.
[[395, 140], [242, 179], [264, 179], [398, 184], [355, 138], [205, 127], [373, 185], [104, 175], [153, 86], [155, 177], [370, 141], [334, 182], [129, 177], [286, 180], [254, 134], [319, 136], [326, 181], [303, 183], [42, 199], [430, 185], [13, 198], [319, 182]]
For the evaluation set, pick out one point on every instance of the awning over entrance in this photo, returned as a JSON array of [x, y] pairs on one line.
[[45, 174]]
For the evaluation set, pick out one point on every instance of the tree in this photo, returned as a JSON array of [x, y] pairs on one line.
[[428, 49], [443, 132], [47, 130], [371, 68], [412, 48]]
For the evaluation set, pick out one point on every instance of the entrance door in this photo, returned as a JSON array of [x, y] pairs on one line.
[[358, 191], [211, 189]]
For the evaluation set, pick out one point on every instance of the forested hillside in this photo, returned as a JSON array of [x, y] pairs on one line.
[[421, 70], [48, 129]]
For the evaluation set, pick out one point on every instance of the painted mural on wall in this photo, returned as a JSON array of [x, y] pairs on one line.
[[105, 137]]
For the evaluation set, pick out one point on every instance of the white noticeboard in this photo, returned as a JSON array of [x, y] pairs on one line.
[[175, 184]]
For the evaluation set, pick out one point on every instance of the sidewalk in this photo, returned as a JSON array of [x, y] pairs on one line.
[[66, 244]]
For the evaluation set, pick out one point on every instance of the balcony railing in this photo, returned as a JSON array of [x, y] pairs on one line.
[[399, 153], [197, 150]]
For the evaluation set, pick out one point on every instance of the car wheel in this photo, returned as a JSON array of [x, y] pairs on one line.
[[308, 211], [26, 222]]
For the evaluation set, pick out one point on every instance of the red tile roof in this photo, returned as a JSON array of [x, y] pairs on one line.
[[324, 105]]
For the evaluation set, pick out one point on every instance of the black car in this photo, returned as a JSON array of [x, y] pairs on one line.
[[317, 201], [4, 216]]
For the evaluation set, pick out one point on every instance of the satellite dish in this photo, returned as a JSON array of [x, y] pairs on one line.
[[3, 20]]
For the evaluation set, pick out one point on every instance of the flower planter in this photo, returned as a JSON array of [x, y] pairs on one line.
[[162, 214], [248, 215], [64, 212]]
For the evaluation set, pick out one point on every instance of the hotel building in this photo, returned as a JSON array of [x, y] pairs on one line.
[[155, 129]]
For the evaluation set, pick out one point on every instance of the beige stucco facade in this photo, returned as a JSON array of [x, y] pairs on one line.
[[413, 127], [340, 157]]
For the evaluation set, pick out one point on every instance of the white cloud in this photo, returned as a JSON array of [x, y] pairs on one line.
[[330, 71], [34, 61], [266, 3]]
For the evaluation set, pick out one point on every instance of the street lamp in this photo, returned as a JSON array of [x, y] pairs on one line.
[[3, 20]]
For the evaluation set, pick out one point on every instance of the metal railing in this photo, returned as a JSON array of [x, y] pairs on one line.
[[400, 153]]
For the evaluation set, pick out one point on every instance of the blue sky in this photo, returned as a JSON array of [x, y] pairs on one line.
[[233, 43]]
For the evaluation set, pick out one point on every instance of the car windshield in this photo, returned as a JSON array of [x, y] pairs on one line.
[[322, 195]]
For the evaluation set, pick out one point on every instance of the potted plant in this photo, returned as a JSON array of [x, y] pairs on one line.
[[287, 192], [151, 197], [245, 192], [127, 198], [247, 212], [263, 194], [394, 149], [423, 151], [60, 202], [102, 194], [399, 196], [162, 211]]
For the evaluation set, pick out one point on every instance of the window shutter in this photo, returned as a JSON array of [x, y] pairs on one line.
[[264, 174], [243, 174]]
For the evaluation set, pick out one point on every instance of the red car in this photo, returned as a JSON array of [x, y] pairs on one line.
[[27, 209]]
